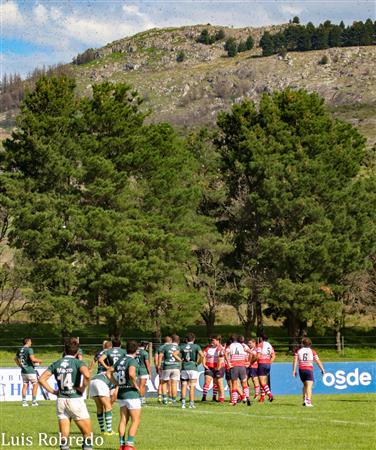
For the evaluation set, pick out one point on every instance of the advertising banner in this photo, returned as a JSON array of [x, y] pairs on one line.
[[340, 378]]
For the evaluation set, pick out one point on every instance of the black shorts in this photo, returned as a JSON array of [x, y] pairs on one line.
[[238, 373], [214, 373], [263, 370], [228, 374], [252, 372], [306, 375]]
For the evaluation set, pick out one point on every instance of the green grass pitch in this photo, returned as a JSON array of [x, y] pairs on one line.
[[335, 422]]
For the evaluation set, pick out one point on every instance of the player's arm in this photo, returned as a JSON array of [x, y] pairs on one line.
[[35, 360], [272, 357], [148, 366], [85, 372], [176, 355], [133, 377], [294, 364], [160, 360], [91, 364], [18, 362], [43, 381], [319, 363], [204, 360], [200, 358], [79, 356], [102, 359], [227, 358]]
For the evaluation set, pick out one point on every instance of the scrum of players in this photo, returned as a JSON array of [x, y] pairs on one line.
[[122, 375]]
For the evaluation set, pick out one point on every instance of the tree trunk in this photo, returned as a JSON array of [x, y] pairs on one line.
[[259, 317], [293, 326], [249, 323], [209, 319]]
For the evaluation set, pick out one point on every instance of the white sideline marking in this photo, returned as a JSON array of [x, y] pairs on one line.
[[197, 411]]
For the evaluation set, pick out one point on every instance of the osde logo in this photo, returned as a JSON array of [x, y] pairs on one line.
[[342, 380]]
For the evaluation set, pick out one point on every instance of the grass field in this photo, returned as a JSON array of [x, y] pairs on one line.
[[335, 422]]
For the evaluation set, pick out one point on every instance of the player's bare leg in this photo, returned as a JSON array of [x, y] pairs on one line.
[[256, 385], [142, 384], [192, 389], [174, 390], [183, 393], [135, 416], [165, 391], [100, 415], [87, 432], [124, 417], [207, 382], [24, 393], [308, 388], [64, 429], [265, 389], [246, 392], [221, 389]]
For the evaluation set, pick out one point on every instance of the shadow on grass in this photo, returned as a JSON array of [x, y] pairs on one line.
[[349, 400]]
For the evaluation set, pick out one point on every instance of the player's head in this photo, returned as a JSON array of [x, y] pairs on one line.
[[144, 344], [306, 342], [264, 337], [26, 341], [215, 339], [241, 339], [116, 342], [190, 337], [167, 339], [234, 338], [175, 338], [131, 347], [71, 348], [252, 342], [107, 344]]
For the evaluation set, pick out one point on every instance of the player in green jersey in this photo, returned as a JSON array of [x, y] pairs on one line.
[[103, 392], [191, 354], [110, 357], [75, 341], [106, 345], [125, 373], [169, 361], [167, 340], [26, 360], [145, 369], [70, 404]]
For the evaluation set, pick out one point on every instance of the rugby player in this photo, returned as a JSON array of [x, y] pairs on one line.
[[237, 357], [304, 358], [265, 357], [70, 404], [102, 391], [191, 354], [75, 341], [213, 362], [112, 355], [144, 368], [169, 360], [106, 345], [124, 375], [253, 365], [26, 360]]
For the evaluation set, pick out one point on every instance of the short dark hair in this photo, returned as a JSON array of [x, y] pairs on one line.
[[131, 347], [26, 340], [264, 337], [175, 338], [71, 348], [234, 338], [241, 339], [190, 337], [218, 337], [116, 342], [306, 342], [167, 338], [144, 344]]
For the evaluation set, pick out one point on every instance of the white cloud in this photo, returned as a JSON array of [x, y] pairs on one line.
[[40, 14], [10, 15], [291, 9]]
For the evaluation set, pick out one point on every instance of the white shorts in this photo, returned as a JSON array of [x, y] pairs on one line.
[[189, 375], [71, 408], [144, 377], [131, 403], [99, 388], [171, 374], [29, 378]]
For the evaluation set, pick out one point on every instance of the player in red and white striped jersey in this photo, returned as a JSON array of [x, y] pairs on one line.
[[304, 358], [265, 357], [237, 357], [253, 366], [213, 362]]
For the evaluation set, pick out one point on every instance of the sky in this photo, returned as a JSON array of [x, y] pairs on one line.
[[46, 32]]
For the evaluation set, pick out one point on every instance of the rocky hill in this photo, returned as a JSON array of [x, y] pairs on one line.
[[192, 92]]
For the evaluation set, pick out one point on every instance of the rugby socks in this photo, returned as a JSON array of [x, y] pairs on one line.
[[215, 392], [205, 391], [164, 399], [267, 391], [234, 396], [122, 440], [257, 391], [130, 441], [100, 418], [246, 392], [183, 403], [262, 397], [108, 416], [87, 444]]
